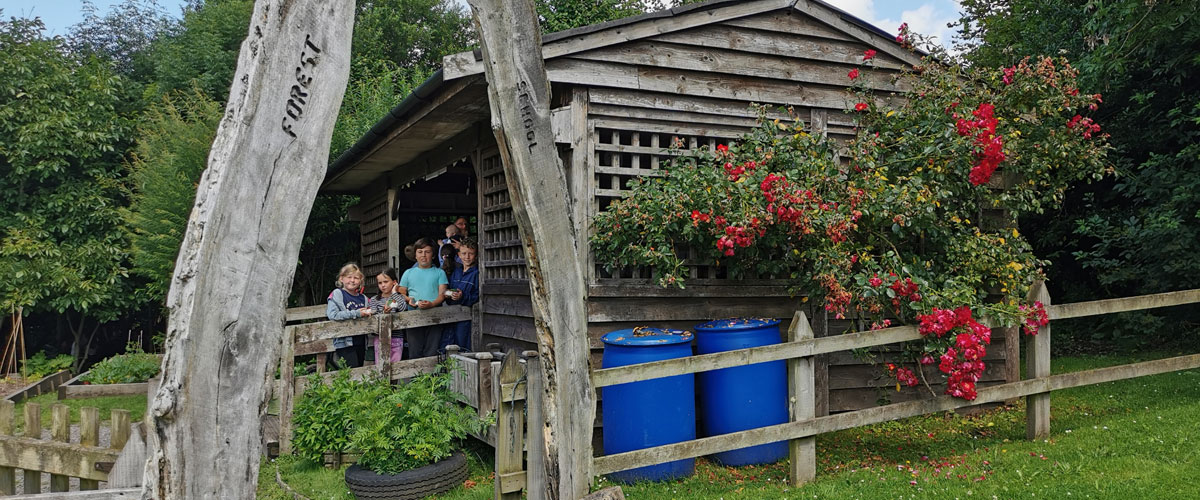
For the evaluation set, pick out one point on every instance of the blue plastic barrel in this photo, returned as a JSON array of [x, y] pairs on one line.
[[653, 412], [745, 397]]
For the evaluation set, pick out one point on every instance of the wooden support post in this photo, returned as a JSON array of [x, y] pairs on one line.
[[89, 435], [519, 99], [238, 253], [287, 390], [8, 475], [486, 397], [33, 430], [535, 481], [1037, 364], [60, 430], [510, 431], [383, 358], [802, 405]]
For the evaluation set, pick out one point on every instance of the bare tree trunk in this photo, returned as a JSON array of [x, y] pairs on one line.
[[519, 94], [235, 266]]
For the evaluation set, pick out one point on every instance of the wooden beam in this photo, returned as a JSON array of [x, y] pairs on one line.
[[775, 352], [303, 313], [67, 459], [510, 432], [310, 332], [849, 420], [1124, 304], [864, 35], [519, 98], [99, 390], [8, 475], [802, 402], [238, 254]]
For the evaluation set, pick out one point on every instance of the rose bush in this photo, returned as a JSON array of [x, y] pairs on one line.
[[910, 220]]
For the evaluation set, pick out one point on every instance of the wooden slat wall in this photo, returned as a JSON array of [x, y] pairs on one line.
[[374, 230], [502, 255]]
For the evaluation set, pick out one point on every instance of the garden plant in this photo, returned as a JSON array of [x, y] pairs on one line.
[[908, 222]]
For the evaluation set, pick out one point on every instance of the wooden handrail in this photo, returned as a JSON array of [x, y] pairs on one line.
[[324, 330], [1123, 304]]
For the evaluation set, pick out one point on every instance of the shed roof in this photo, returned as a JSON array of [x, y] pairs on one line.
[[440, 116]]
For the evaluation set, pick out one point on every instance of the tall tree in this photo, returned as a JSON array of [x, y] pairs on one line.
[[202, 49], [1139, 232], [122, 35], [174, 137], [61, 137]]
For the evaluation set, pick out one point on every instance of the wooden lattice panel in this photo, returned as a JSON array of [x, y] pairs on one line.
[[374, 230], [503, 256]]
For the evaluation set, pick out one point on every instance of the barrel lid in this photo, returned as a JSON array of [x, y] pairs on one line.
[[646, 336], [737, 324]]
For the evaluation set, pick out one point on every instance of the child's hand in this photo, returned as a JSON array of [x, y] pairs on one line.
[[424, 304], [364, 312], [456, 295]]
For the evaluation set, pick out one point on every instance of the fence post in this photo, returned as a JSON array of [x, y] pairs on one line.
[[89, 435], [287, 389], [1037, 365], [801, 405], [60, 430], [510, 431], [383, 356], [535, 482], [33, 430], [8, 475]]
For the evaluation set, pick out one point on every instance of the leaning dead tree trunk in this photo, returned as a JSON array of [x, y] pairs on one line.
[[519, 94], [235, 266]]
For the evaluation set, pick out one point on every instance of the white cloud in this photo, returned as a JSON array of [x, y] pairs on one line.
[[927, 18]]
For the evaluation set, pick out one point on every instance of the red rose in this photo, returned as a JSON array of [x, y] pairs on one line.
[[862, 106], [868, 54], [853, 73]]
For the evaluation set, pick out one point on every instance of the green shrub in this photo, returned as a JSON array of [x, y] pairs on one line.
[[130, 368], [414, 426], [38, 365], [321, 418]]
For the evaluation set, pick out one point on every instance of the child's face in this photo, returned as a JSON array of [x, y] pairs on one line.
[[385, 284], [467, 255], [352, 282], [425, 256], [451, 231]]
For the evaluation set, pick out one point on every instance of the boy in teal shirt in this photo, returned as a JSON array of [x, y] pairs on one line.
[[425, 286]]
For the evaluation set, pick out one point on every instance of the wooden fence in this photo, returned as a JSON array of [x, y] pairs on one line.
[[59, 457], [317, 338], [801, 347]]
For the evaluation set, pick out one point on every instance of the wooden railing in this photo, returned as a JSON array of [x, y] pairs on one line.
[[59, 457], [803, 426], [317, 338]]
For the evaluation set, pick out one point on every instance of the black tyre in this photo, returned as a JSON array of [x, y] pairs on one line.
[[413, 484]]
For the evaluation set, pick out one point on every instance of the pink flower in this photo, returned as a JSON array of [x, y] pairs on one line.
[[868, 54]]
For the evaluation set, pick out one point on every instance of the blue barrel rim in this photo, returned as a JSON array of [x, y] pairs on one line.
[[646, 336], [734, 324]]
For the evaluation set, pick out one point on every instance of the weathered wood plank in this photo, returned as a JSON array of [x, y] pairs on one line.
[[790, 22], [513, 327], [1124, 304], [802, 466], [310, 332], [730, 62], [673, 128], [704, 106], [832, 423], [790, 44], [535, 444], [698, 309], [89, 435], [1037, 365], [60, 431], [236, 262], [105, 494], [304, 313], [100, 390], [33, 435], [410, 368], [68, 459], [868, 37], [510, 431], [602, 290], [8, 475]]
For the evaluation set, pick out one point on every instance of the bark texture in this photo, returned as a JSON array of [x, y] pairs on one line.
[[238, 255], [519, 94]]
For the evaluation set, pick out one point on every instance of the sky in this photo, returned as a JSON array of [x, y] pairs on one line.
[[923, 16]]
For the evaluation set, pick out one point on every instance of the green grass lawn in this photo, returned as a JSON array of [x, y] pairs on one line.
[[1134, 439], [136, 405]]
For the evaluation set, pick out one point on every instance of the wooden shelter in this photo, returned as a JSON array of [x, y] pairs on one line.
[[623, 91]]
